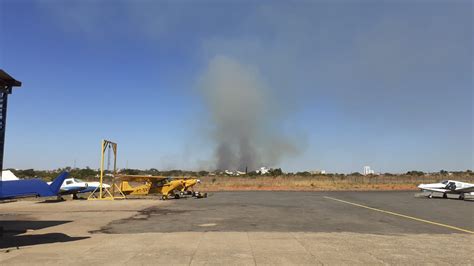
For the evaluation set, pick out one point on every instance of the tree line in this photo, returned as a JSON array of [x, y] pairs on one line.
[[89, 173]]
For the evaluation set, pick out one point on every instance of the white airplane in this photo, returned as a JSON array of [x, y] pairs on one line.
[[73, 186], [449, 187]]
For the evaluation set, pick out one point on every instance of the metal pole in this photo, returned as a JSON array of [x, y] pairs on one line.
[[3, 124], [101, 168], [115, 167]]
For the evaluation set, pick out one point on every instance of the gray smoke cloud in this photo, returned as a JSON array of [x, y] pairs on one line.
[[345, 76], [245, 124]]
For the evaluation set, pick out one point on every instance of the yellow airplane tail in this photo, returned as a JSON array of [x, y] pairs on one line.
[[125, 186]]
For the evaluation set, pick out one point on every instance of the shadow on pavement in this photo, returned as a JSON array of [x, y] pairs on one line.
[[30, 240], [51, 201], [10, 233]]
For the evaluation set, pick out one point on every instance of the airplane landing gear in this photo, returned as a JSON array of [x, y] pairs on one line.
[[461, 196], [199, 195], [445, 196], [164, 197], [176, 196], [430, 196]]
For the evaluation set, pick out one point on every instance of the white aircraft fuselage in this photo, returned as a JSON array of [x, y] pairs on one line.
[[449, 187], [74, 186]]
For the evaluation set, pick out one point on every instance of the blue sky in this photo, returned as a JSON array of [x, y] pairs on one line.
[[341, 84]]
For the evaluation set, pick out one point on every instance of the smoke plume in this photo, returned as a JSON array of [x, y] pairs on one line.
[[246, 127]]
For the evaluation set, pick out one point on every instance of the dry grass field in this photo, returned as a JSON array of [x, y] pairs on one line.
[[321, 182]]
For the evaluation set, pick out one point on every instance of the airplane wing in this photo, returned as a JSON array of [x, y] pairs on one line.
[[184, 178], [440, 190], [465, 190], [140, 178]]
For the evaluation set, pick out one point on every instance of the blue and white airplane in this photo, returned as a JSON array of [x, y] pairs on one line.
[[73, 186], [31, 187]]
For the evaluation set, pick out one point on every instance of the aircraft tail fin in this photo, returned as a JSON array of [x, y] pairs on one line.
[[55, 186], [125, 186]]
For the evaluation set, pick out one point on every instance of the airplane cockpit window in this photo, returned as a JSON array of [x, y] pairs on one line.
[[78, 180], [444, 182], [162, 181], [68, 182], [451, 185]]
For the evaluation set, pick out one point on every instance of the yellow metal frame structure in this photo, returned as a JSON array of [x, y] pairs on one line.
[[104, 193]]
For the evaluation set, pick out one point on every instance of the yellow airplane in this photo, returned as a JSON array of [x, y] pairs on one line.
[[166, 186]]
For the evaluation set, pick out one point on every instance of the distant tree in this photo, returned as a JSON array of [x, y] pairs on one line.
[[174, 172], [356, 174], [253, 173], [305, 173], [276, 172], [443, 172], [25, 173], [131, 171], [86, 173], [415, 173], [203, 173]]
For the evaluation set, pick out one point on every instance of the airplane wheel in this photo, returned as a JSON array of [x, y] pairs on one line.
[[164, 197], [461, 196], [445, 196], [205, 195], [176, 196], [430, 196]]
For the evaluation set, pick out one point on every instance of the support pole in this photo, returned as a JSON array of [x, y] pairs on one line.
[[114, 147], [3, 123], [101, 169], [105, 193]]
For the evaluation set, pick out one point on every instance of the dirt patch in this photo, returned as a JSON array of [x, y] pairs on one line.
[[336, 187], [328, 182], [331, 182], [142, 215]]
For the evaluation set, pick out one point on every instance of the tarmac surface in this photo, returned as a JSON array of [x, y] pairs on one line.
[[302, 212], [242, 228]]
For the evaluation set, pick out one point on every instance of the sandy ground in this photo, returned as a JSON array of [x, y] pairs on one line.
[[319, 183], [246, 228], [337, 187]]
